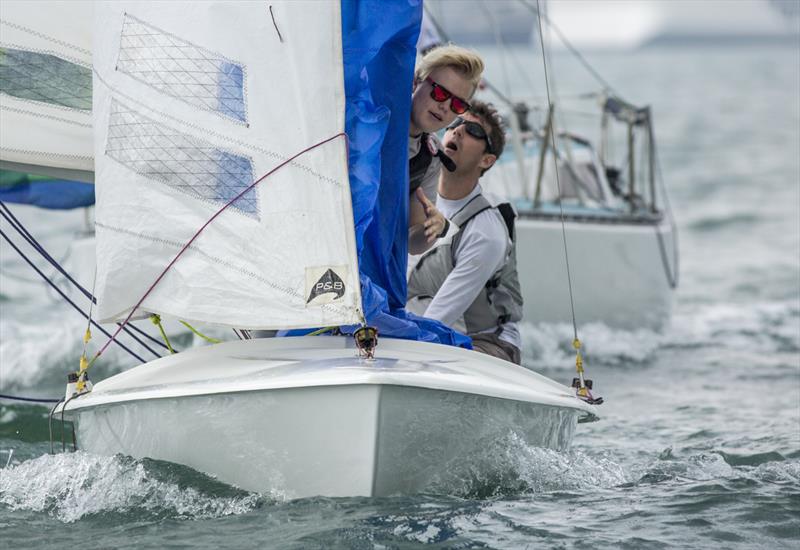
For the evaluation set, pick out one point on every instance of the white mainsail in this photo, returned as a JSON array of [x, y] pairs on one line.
[[46, 88], [192, 104]]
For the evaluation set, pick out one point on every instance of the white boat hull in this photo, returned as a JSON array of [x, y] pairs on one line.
[[304, 416], [623, 264], [619, 276]]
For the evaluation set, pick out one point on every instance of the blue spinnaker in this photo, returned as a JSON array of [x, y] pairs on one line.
[[17, 187], [379, 48]]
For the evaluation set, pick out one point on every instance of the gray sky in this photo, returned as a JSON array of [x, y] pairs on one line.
[[628, 23], [617, 23]]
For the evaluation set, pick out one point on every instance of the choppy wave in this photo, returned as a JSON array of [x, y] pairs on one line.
[[545, 345], [761, 327], [41, 353], [72, 486], [764, 326], [698, 467], [724, 221], [473, 507], [763, 467], [509, 466], [30, 352], [668, 490]]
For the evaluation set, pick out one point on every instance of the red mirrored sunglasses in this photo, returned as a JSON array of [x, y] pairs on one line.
[[440, 94]]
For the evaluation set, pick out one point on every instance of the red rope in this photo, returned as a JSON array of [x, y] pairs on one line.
[[194, 237]]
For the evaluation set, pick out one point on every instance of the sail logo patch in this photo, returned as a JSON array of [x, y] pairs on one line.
[[325, 287]]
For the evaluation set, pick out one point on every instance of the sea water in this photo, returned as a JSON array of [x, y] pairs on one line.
[[699, 442]]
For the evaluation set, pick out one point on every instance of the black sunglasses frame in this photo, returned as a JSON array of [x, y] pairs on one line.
[[475, 130]]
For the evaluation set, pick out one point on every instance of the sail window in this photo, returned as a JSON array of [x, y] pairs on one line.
[[183, 162], [173, 66], [46, 78]]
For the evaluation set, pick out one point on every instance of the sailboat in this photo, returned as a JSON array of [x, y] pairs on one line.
[[250, 171], [613, 212], [624, 266]]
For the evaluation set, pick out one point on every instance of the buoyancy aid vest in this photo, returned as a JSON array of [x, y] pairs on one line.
[[419, 164], [500, 300]]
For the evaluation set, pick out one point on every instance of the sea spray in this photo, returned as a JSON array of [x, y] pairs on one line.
[[72, 486], [509, 466]]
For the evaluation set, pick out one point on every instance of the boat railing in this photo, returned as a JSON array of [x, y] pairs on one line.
[[587, 177]]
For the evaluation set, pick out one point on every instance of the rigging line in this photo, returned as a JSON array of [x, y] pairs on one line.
[[486, 82], [558, 183], [68, 300], [20, 228], [23, 231], [508, 54], [567, 43], [50, 422], [520, 66], [673, 275], [88, 334], [553, 91], [63, 410], [5, 213], [200, 334], [672, 279], [22, 278], [199, 231], [573, 112], [499, 40], [547, 52], [498, 93], [29, 399], [435, 23]]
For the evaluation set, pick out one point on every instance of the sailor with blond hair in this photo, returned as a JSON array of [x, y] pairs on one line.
[[445, 80]]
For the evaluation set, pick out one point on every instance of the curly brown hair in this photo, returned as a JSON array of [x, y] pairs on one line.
[[493, 123]]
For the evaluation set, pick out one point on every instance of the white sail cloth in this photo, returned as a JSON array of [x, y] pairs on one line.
[[192, 104], [45, 87]]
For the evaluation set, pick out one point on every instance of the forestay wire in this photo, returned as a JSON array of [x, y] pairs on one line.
[[558, 182], [567, 43], [581, 385], [443, 34], [6, 214], [62, 294]]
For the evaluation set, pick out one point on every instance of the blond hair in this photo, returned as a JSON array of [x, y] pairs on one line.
[[467, 62]]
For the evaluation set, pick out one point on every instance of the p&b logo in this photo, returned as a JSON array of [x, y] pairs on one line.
[[328, 286], [329, 283]]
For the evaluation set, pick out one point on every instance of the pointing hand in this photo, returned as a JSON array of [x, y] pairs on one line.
[[435, 220]]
